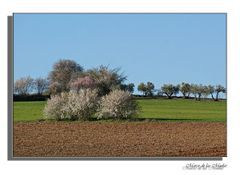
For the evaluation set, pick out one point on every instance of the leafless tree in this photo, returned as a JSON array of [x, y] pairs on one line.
[[41, 84], [23, 85]]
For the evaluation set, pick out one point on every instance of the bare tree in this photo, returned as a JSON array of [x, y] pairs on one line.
[[41, 84], [23, 86]]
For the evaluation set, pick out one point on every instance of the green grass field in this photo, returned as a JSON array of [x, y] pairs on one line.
[[163, 109], [27, 111], [183, 109]]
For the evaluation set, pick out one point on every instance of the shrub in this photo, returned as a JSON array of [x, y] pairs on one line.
[[54, 108], [117, 104], [72, 105], [82, 105]]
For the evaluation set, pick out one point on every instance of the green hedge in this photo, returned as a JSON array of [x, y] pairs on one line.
[[32, 97]]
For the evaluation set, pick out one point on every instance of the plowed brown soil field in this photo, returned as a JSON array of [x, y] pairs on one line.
[[119, 139]]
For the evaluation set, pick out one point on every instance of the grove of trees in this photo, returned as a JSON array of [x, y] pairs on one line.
[[146, 89]]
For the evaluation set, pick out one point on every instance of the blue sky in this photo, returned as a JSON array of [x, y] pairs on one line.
[[161, 48]]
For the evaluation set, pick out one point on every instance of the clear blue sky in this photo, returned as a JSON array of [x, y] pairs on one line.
[[161, 48]]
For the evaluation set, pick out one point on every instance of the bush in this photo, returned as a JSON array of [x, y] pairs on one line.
[[54, 108], [117, 105], [72, 105], [82, 105]]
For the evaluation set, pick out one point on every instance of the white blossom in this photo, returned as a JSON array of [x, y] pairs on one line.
[[118, 104]]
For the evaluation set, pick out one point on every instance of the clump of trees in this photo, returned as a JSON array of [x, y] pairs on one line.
[[98, 92], [147, 89]]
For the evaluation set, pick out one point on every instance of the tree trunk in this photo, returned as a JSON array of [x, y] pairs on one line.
[[168, 96], [195, 96], [217, 96], [184, 95], [212, 96], [199, 97]]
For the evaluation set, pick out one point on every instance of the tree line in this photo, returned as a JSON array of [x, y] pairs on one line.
[[187, 90], [67, 75]]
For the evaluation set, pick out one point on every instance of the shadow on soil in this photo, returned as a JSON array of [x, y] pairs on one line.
[[131, 120]]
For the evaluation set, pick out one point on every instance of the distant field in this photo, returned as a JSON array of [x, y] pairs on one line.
[[163, 109], [183, 109]]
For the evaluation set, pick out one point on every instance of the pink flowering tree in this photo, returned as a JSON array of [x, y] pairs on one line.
[[83, 83]]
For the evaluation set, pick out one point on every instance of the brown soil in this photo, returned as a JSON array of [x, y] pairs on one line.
[[119, 139]]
